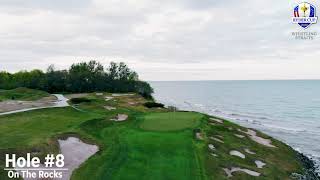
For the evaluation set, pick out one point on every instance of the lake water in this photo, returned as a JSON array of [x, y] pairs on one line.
[[286, 110]]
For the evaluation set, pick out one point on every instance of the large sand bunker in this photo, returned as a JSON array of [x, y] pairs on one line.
[[120, 117], [237, 153], [253, 136], [235, 169], [11, 107], [75, 153]]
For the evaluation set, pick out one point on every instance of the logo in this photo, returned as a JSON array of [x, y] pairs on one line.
[[304, 15]]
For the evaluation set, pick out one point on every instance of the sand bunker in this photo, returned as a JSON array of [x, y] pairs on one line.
[[199, 136], [216, 120], [211, 147], [239, 135], [214, 155], [259, 164], [248, 151], [109, 108], [216, 139], [117, 95], [120, 117], [75, 153], [132, 103], [253, 136], [237, 153], [108, 98], [235, 169], [11, 107]]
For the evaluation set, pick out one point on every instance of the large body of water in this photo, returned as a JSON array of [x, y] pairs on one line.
[[286, 110]]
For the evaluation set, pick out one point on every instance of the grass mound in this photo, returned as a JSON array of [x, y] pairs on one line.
[[170, 121], [22, 94]]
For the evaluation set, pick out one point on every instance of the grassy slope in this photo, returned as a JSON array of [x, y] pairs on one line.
[[163, 150], [22, 94], [281, 161]]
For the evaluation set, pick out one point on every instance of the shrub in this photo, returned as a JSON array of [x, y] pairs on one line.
[[79, 100], [153, 105], [172, 108]]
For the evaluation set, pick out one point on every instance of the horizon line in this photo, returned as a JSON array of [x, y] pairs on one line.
[[236, 80]]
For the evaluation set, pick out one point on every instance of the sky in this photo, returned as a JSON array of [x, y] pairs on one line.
[[161, 40]]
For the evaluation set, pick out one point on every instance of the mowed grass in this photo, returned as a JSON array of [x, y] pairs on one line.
[[22, 94], [132, 153], [170, 121]]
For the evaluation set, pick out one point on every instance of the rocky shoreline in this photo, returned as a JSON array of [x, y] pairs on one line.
[[309, 171]]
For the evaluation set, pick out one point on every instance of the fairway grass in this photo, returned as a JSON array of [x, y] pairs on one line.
[[144, 155], [170, 121], [31, 128]]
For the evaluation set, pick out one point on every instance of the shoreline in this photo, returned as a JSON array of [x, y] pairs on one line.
[[310, 170], [310, 167], [309, 164]]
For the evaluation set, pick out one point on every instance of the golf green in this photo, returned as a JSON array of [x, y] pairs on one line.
[[170, 121]]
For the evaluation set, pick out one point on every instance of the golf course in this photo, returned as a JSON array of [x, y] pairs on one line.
[[149, 143]]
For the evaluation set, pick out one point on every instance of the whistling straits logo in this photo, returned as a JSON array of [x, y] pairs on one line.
[[305, 15]]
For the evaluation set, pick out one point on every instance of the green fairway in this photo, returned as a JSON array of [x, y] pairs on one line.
[[170, 121], [35, 127], [144, 155], [22, 94]]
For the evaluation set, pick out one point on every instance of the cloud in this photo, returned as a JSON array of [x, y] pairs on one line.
[[212, 37]]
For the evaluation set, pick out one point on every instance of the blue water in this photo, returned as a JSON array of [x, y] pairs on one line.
[[286, 110]]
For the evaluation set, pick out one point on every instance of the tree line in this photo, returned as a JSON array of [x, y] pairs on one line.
[[80, 77]]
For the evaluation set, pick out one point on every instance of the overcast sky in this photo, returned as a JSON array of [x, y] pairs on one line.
[[161, 40]]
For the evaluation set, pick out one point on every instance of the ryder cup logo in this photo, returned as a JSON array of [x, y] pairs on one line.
[[304, 15]]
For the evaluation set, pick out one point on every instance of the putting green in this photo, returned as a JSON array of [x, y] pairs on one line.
[[170, 121]]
